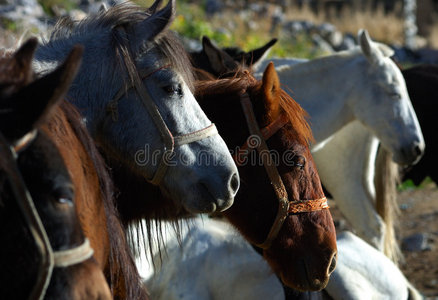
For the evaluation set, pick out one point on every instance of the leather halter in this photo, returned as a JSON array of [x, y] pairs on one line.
[[49, 258], [168, 139], [285, 206]]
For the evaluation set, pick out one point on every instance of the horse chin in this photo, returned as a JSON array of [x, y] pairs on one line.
[[404, 160], [201, 201], [304, 282]]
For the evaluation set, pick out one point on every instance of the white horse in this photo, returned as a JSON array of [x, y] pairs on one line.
[[214, 262], [355, 99], [134, 91]]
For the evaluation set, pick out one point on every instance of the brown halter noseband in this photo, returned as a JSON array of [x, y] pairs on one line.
[[285, 207], [170, 142], [49, 258]]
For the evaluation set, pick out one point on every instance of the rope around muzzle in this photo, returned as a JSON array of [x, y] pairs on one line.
[[285, 207], [169, 141], [49, 258]]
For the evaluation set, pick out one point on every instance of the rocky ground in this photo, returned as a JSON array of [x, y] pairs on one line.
[[418, 231]]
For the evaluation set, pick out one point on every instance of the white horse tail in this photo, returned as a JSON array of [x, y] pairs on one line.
[[414, 294], [386, 178]]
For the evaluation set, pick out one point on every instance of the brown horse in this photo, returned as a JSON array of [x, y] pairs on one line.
[[44, 252], [273, 102], [303, 251], [93, 194], [301, 245]]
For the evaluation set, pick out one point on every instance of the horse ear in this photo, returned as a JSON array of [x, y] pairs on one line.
[[367, 45], [103, 8], [220, 61], [21, 62], [271, 91], [153, 8], [385, 49], [255, 57], [31, 105], [153, 25]]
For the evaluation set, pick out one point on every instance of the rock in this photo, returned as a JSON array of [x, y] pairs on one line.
[[416, 243], [213, 6]]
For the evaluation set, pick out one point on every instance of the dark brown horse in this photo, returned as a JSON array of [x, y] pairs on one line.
[[301, 247], [219, 62], [271, 102], [421, 82], [93, 191], [303, 253], [44, 251]]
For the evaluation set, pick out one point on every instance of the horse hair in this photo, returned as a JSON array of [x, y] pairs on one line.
[[298, 117], [121, 15], [386, 178], [121, 261]]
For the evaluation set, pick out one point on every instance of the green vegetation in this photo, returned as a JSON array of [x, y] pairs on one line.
[[9, 25], [48, 5], [246, 32], [410, 185]]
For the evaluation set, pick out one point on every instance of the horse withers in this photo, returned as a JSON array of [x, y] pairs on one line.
[[44, 252]]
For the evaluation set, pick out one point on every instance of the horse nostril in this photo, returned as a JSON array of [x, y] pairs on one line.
[[417, 150], [234, 183], [332, 264]]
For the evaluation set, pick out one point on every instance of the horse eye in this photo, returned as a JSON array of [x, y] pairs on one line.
[[174, 89], [395, 95], [64, 201], [300, 162]]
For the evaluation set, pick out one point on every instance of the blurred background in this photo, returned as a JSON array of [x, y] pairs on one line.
[[305, 28]]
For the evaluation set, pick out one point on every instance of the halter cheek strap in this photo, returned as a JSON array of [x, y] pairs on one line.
[[285, 207], [166, 136]]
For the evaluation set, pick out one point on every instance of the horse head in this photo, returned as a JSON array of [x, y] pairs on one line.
[[280, 206], [397, 126], [134, 91], [37, 196], [218, 62]]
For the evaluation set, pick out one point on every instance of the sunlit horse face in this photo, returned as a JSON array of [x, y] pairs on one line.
[[201, 175], [47, 179], [386, 107], [303, 253]]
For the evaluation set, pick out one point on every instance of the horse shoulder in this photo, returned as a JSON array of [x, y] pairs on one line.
[[241, 273]]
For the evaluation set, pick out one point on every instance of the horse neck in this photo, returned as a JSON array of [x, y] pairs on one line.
[[324, 88]]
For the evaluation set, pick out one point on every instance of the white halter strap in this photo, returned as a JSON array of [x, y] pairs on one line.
[[73, 256]]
